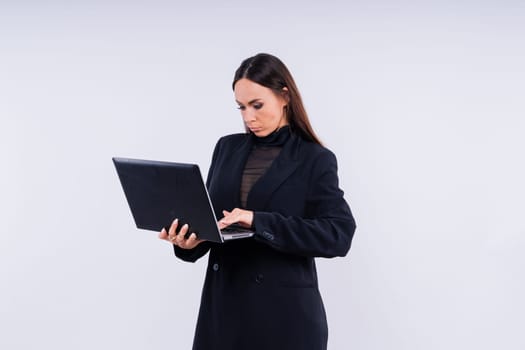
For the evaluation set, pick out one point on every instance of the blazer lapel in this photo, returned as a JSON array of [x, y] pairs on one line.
[[235, 166], [282, 167]]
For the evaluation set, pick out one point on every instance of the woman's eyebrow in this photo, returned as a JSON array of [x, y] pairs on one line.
[[251, 102]]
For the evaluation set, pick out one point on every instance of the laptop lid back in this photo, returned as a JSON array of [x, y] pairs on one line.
[[159, 192]]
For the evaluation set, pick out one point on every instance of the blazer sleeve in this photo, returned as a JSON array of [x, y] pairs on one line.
[[326, 229], [192, 255]]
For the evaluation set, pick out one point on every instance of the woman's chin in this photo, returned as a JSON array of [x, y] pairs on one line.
[[259, 132]]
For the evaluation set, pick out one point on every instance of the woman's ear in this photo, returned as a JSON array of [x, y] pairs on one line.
[[285, 94]]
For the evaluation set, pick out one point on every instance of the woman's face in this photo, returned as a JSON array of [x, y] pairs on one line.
[[262, 110]]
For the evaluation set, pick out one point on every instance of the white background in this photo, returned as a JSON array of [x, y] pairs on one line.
[[423, 104]]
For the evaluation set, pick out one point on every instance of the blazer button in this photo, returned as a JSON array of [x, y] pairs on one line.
[[215, 267], [259, 278], [268, 235]]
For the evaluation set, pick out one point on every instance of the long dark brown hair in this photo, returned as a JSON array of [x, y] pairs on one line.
[[269, 71]]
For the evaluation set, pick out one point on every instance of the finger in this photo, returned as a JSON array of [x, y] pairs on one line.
[[240, 217], [236, 214], [173, 228], [232, 219], [225, 222], [227, 213], [173, 240], [163, 234], [194, 241], [180, 236], [191, 241], [235, 211]]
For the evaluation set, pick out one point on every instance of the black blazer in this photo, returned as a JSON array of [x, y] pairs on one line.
[[261, 292]]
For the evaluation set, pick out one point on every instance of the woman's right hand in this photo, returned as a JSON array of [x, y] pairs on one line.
[[178, 239]]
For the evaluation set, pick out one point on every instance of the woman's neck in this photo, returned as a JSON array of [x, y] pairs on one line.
[[276, 138]]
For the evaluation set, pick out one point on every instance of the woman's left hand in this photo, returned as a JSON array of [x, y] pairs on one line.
[[237, 216]]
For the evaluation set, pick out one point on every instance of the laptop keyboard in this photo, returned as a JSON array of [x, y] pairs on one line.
[[235, 229]]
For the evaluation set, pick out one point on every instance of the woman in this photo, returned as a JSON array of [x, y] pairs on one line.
[[277, 178]]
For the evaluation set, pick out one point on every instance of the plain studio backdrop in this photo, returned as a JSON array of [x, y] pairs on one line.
[[423, 104]]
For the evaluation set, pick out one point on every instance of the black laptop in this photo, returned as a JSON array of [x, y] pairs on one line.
[[159, 192]]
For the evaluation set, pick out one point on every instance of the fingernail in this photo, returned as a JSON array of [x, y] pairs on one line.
[[175, 221]]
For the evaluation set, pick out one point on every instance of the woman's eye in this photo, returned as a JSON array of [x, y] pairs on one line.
[[257, 106], [242, 108]]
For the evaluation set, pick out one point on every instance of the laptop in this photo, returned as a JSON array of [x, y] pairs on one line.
[[159, 192]]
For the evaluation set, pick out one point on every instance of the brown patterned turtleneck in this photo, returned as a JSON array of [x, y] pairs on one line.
[[264, 151]]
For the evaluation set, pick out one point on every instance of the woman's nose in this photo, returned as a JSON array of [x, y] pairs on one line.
[[248, 115]]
